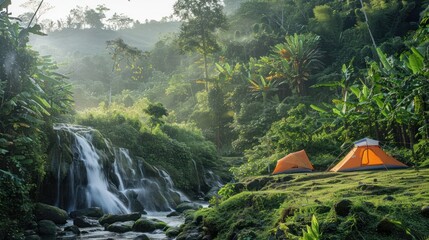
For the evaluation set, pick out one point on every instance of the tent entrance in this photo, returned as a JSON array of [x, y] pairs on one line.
[[369, 157]]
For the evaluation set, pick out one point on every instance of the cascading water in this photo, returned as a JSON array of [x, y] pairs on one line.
[[106, 177]]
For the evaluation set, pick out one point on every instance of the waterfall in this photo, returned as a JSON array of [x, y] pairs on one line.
[[198, 177], [105, 176]]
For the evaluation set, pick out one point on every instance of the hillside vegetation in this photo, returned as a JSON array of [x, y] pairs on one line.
[[359, 205], [246, 81]]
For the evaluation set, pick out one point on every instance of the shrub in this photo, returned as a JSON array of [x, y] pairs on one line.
[[15, 207]]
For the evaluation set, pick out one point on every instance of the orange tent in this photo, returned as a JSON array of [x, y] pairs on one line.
[[367, 155], [294, 162]]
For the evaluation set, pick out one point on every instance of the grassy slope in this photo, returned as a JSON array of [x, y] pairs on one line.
[[283, 205]]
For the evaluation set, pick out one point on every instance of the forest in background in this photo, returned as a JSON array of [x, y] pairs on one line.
[[272, 77], [281, 76]]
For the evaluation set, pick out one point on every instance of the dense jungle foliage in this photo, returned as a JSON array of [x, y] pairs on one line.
[[277, 77], [265, 79]]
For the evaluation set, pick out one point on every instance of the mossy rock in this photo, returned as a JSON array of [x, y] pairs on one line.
[[257, 184], [343, 207], [172, 232], [47, 228], [112, 218], [148, 225], [47, 212], [121, 227], [95, 212], [186, 206], [392, 228], [84, 222], [74, 229]]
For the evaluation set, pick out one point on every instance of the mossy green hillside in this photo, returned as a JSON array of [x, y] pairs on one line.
[[281, 206]]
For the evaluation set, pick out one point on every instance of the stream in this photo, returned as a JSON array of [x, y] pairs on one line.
[[90, 172], [98, 233]]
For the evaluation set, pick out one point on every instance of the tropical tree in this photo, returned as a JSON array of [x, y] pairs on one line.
[[32, 96], [156, 112], [201, 18], [120, 21], [76, 18], [94, 17], [300, 57], [123, 56]]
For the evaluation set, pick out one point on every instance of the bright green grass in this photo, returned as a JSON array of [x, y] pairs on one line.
[[284, 204]]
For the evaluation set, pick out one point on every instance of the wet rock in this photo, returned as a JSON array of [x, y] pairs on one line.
[[148, 225], [84, 222], [111, 218], [142, 237], [173, 214], [134, 203], [425, 211], [47, 228], [121, 227], [47, 212], [211, 193], [95, 212], [186, 206], [172, 232], [74, 229], [343, 207], [189, 235]]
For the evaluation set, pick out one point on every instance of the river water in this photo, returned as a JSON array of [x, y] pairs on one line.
[[98, 233]]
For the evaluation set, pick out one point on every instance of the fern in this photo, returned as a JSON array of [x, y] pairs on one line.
[[313, 231]]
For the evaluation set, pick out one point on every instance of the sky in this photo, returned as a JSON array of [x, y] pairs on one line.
[[135, 9]]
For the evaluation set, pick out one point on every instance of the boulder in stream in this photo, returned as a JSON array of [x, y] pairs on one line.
[[187, 205], [47, 212], [112, 218], [121, 227], [148, 225], [85, 222], [142, 237], [95, 212], [47, 228]]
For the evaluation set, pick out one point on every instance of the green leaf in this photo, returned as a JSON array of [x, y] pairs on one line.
[[319, 109], [415, 61], [383, 60], [356, 91], [43, 102], [338, 112]]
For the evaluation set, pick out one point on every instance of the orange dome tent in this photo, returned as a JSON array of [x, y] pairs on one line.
[[294, 162], [367, 155]]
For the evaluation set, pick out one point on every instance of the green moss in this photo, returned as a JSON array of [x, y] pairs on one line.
[[180, 150], [286, 212]]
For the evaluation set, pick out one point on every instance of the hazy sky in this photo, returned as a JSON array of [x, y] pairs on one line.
[[136, 9]]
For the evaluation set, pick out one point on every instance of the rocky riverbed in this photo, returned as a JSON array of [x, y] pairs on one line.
[[91, 223]]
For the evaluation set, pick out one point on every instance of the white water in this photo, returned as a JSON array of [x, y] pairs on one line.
[[96, 192], [127, 189]]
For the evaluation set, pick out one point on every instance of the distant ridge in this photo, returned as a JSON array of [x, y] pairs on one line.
[[65, 42]]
